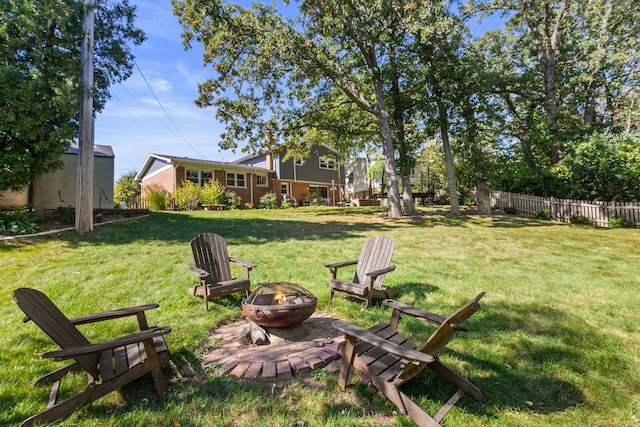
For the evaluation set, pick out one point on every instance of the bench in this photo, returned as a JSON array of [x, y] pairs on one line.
[[213, 206]]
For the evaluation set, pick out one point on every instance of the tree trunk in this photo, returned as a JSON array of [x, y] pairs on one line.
[[393, 192], [482, 198], [407, 196], [448, 159]]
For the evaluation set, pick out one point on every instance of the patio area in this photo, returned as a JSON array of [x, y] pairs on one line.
[[291, 351]]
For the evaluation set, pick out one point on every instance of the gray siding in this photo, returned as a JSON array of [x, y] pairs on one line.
[[156, 165], [59, 187], [310, 170]]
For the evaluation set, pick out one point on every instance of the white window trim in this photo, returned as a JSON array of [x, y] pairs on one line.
[[266, 181], [327, 163], [235, 179]]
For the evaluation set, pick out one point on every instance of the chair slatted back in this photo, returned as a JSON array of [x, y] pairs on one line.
[[210, 254], [44, 313], [376, 254], [443, 334], [447, 330]]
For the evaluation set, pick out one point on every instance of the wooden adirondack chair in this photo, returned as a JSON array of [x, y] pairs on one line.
[[109, 364], [372, 267], [212, 266], [385, 358]]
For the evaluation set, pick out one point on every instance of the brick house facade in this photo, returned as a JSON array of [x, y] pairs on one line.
[[318, 179]]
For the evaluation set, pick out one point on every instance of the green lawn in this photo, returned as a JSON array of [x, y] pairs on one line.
[[556, 342]]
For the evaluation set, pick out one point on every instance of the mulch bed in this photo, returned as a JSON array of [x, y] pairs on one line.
[[291, 351]]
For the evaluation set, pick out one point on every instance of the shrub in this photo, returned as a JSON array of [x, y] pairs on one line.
[[268, 201], [158, 198], [23, 220], [579, 219], [188, 196], [510, 210], [619, 221], [67, 214], [543, 214], [212, 193], [232, 200], [285, 205], [248, 205]]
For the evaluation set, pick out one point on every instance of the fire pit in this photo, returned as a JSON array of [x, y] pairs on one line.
[[279, 305]]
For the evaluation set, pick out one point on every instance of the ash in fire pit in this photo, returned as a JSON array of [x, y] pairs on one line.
[[279, 305]]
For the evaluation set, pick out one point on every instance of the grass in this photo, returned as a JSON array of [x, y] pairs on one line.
[[556, 342]]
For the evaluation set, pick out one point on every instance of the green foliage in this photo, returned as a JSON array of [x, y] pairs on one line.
[[269, 201], [619, 221], [232, 200], [603, 166], [212, 192], [23, 220], [533, 339], [511, 210], [285, 205], [579, 219], [126, 187], [158, 198], [187, 197], [40, 90], [67, 214], [248, 205], [543, 214]]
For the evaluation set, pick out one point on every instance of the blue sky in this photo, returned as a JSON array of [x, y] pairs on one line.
[[134, 123]]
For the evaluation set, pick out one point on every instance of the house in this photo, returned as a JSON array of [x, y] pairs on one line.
[[58, 189], [171, 172], [314, 180]]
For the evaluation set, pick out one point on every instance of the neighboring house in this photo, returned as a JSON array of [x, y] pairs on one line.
[[58, 189], [315, 180], [357, 185]]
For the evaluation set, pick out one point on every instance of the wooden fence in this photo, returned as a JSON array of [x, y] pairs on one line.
[[598, 213]]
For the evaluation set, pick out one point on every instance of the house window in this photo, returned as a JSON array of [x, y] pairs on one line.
[[235, 180], [192, 175], [205, 176], [327, 163], [199, 177], [261, 180]]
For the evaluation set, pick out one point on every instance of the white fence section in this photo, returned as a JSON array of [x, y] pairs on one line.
[[598, 213]]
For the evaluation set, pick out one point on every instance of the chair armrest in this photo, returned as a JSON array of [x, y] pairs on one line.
[[200, 272], [341, 264], [367, 336], [113, 314], [418, 313], [246, 264], [83, 350], [376, 273]]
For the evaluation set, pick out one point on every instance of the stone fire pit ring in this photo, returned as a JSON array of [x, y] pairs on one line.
[[279, 305]]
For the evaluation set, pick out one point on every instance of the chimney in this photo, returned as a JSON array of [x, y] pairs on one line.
[[268, 157]]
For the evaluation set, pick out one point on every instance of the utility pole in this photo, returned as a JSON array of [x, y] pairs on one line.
[[84, 186]]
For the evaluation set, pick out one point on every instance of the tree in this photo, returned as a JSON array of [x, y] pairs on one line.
[[126, 187], [275, 68], [561, 70], [40, 92]]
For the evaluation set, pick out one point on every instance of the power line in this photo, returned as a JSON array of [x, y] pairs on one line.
[[166, 114]]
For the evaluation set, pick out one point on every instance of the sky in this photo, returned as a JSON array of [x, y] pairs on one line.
[[154, 111]]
